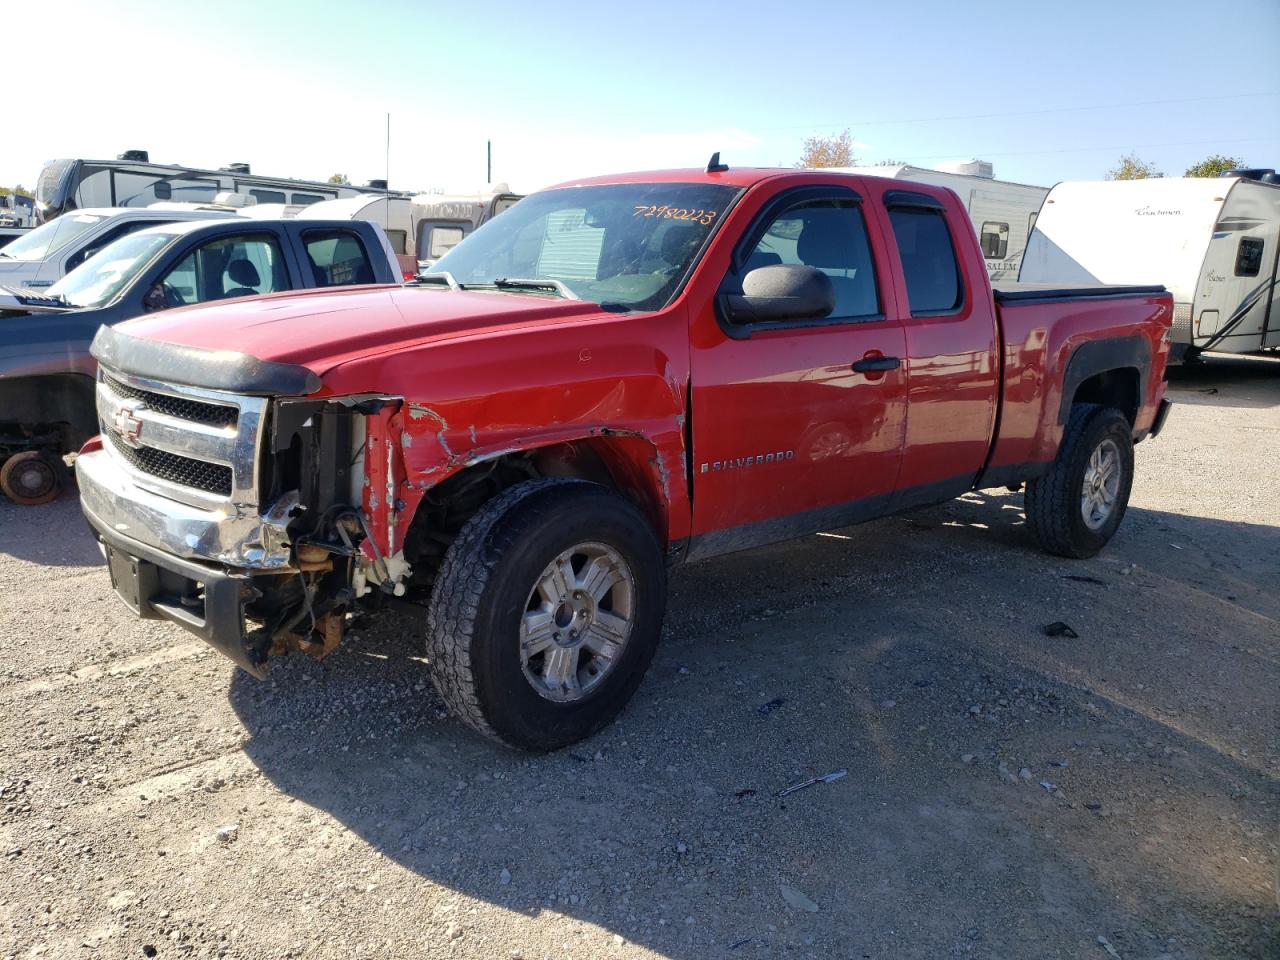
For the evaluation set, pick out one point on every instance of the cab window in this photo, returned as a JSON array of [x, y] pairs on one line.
[[831, 236], [928, 260], [337, 259], [225, 268]]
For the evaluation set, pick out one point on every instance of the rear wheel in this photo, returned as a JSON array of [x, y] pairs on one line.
[[546, 613], [1077, 505], [31, 478]]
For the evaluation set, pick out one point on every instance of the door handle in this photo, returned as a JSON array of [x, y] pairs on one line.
[[876, 364]]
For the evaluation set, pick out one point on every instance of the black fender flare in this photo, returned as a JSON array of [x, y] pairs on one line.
[[1101, 356]]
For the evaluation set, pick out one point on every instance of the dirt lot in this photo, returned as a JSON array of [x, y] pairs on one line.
[[1009, 794]]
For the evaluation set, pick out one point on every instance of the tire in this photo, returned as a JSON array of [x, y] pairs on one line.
[[1067, 519], [31, 478], [497, 588]]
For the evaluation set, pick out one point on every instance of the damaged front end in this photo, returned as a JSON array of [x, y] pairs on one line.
[[253, 523]]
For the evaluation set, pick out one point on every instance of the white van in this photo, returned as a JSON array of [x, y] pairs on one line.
[[1212, 241], [41, 257]]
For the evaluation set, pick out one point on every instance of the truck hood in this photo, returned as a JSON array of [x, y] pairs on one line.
[[321, 329]]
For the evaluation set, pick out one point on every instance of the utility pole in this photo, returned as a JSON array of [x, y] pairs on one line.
[[488, 168], [388, 167]]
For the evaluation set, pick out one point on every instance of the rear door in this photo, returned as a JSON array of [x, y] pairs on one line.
[[952, 358], [787, 436]]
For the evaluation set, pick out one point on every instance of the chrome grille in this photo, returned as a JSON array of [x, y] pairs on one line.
[[212, 478], [182, 408], [193, 445]]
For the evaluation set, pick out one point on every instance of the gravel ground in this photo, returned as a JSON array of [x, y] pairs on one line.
[[1009, 794]]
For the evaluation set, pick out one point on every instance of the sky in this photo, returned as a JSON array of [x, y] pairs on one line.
[[302, 88]]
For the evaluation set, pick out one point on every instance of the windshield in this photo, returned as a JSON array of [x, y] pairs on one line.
[[624, 245], [45, 240], [97, 281]]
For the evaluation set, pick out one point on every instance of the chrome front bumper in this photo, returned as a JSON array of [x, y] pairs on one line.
[[230, 536]]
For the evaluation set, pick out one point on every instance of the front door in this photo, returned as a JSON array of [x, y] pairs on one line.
[[787, 436]]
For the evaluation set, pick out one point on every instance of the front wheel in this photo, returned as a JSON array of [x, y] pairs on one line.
[[1077, 505], [546, 613]]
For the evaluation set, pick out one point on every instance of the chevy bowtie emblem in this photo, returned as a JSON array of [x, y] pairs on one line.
[[126, 425]]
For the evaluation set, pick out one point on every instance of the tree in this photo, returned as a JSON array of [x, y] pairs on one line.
[[1214, 166], [339, 178], [1132, 168], [820, 151], [20, 190]]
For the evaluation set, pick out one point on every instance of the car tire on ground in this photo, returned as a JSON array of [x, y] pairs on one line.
[[1077, 505], [546, 612]]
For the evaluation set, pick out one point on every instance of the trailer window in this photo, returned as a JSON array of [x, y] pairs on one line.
[[995, 240], [141, 189], [442, 240], [399, 241], [1249, 257], [268, 196], [306, 199], [928, 260]]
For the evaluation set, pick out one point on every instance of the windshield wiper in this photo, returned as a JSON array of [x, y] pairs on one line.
[[443, 277], [536, 283]]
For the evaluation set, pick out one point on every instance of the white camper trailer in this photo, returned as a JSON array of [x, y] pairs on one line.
[[441, 221], [1003, 213], [1211, 242]]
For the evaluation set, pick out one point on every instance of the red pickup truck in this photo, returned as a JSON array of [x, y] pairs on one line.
[[616, 376]]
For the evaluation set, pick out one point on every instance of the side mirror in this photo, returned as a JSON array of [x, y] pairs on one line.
[[781, 292], [155, 299]]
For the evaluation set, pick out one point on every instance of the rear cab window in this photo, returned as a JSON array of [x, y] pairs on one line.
[[927, 253], [337, 258]]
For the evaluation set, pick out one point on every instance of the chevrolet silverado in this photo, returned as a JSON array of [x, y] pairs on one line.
[[616, 376]]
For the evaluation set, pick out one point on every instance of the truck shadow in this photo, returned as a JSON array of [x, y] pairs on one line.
[[888, 650], [53, 534]]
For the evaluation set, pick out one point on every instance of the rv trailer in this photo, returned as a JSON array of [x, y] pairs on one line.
[[132, 180], [1211, 241], [1002, 212]]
